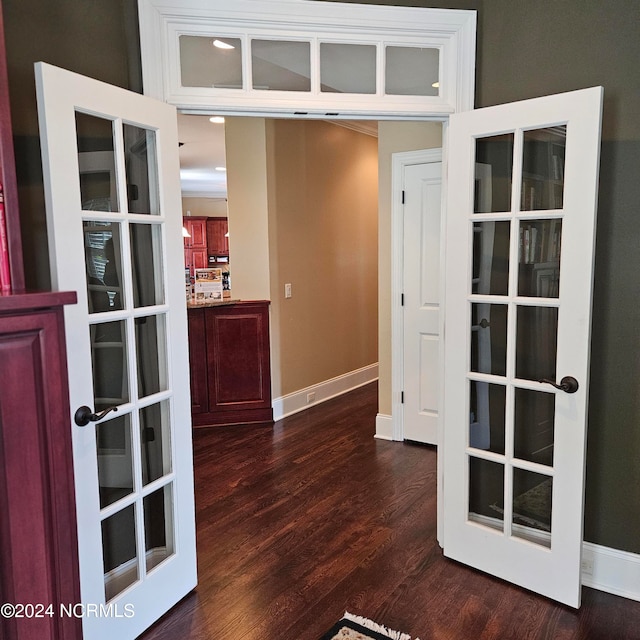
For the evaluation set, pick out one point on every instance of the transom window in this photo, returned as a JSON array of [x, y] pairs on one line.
[[295, 57]]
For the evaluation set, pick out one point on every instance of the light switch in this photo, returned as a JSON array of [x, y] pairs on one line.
[[287, 290]]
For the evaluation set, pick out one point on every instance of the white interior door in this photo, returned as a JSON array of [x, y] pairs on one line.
[[421, 305], [519, 270], [112, 191]]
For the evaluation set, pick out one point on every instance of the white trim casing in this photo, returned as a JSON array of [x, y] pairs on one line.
[[299, 400], [452, 32], [384, 427]]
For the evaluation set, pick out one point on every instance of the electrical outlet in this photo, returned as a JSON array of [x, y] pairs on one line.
[[311, 397], [287, 290]]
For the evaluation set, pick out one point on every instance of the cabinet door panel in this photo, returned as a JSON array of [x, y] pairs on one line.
[[238, 356], [198, 231], [199, 258]]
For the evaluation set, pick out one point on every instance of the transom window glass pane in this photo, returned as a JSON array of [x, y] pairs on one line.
[[347, 68], [493, 175], [142, 170], [279, 65], [543, 169], [209, 61], [96, 161], [412, 71]]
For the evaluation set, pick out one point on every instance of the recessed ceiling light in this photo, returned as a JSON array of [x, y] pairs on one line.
[[216, 119], [436, 85], [222, 45], [221, 168]]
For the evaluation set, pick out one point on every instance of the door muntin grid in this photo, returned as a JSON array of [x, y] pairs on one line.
[[516, 228], [127, 313]]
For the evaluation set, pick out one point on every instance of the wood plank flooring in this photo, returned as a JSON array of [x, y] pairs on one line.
[[300, 522]]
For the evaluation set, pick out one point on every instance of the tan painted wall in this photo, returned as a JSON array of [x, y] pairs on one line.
[[213, 207], [393, 137], [247, 202], [322, 184]]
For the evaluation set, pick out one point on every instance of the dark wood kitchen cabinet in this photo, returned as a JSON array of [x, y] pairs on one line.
[[230, 364], [195, 246], [217, 239]]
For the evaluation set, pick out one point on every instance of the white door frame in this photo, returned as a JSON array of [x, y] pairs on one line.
[[399, 161]]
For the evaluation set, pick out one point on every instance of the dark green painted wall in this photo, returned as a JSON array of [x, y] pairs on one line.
[[525, 49]]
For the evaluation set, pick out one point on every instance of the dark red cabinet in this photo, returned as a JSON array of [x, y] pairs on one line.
[[38, 544], [230, 364], [217, 239]]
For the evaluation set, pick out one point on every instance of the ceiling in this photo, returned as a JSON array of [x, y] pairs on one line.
[[202, 150]]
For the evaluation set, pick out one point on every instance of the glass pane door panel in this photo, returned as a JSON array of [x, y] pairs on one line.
[[536, 340], [486, 492], [155, 441], [96, 161], [120, 555], [146, 264], [543, 169], [489, 338], [211, 62], [151, 355], [534, 426], [115, 465], [486, 416], [158, 526], [412, 71], [141, 167], [532, 494], [103, 263], [278, 65], [493, 174], [109, 364], [347, 68], [491, 258], [539, 258]]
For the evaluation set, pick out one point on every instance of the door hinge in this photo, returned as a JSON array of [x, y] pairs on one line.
[[402, 397], [403, 196], [402, 299]]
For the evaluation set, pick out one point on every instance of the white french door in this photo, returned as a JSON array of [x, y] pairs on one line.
[[112, 189], [519, 268]]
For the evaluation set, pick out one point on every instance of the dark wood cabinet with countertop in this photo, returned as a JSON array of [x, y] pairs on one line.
[[230, 364]]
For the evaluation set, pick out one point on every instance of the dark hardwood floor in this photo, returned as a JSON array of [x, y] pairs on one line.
[[300, 522]]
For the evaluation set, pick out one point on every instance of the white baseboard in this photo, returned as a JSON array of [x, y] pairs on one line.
[[384, 427], [298, 400], [611, 570]]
